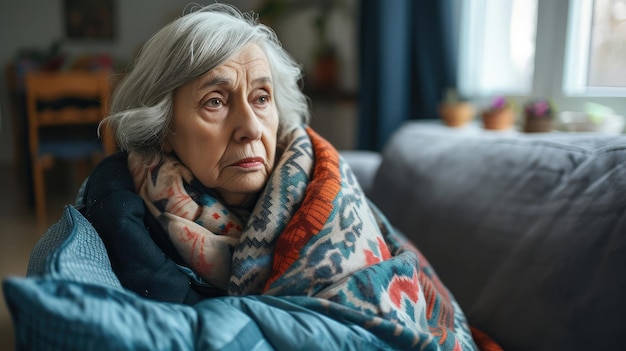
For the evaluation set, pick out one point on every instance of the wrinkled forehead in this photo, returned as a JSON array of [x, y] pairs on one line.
[[249, 67], [251, 63]]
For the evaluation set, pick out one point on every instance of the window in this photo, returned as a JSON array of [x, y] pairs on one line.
[[596, 49], [497, 46], [571, 51]]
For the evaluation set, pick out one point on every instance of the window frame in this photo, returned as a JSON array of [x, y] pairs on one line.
[[549, 78]]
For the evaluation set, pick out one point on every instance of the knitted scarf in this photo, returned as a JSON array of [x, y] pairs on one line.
[[312, 236]]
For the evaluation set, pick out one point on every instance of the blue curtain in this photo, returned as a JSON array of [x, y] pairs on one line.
[[407, 55]]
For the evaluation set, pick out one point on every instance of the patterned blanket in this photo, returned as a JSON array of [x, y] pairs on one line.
[[314, 238]]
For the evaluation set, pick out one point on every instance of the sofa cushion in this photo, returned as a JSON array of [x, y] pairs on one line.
[[527, 230]]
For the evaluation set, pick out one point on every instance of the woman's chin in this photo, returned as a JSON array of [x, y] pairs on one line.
[[243, 191]]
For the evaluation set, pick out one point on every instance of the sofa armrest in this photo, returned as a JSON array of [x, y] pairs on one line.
[[364, 165]]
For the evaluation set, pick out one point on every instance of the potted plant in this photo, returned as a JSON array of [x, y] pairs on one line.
[[538, 115], [500, 114], [326, 60], [454, 110], [326, 57]]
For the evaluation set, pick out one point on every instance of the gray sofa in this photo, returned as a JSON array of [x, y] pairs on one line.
[[528, 231]]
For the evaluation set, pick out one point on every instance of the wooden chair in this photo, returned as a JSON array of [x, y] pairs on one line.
[[58, 105]]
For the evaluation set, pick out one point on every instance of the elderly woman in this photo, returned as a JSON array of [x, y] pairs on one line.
[[222, 189]]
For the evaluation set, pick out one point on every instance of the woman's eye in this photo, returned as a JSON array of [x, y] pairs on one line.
[[264, 99], [213, 103]]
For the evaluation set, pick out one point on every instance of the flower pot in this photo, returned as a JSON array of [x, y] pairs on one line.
[[500, 119], [537, 124], [456, 114], [326, 71]]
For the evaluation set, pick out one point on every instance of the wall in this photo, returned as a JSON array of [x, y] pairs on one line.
[[38, 23]]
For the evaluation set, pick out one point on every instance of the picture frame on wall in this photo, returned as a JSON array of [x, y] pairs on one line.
[[89, 19]]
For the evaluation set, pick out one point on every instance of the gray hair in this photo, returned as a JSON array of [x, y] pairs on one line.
[[142, 104]]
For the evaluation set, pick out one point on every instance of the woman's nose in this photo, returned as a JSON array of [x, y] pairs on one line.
[[248, 127]]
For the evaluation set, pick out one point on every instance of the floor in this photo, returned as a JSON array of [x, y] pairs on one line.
[[19, 231]]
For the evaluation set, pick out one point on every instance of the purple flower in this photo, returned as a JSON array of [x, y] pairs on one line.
[[539, 108], [498, 102]]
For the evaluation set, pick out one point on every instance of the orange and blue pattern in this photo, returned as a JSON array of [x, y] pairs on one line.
[[315, 239]]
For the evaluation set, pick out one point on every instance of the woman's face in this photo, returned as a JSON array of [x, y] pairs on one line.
[[225, 124]]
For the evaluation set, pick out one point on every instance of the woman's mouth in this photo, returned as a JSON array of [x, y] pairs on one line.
[[249, 163]]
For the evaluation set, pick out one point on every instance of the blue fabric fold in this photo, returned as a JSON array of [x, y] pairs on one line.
[[53, 314], [72, 300]]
